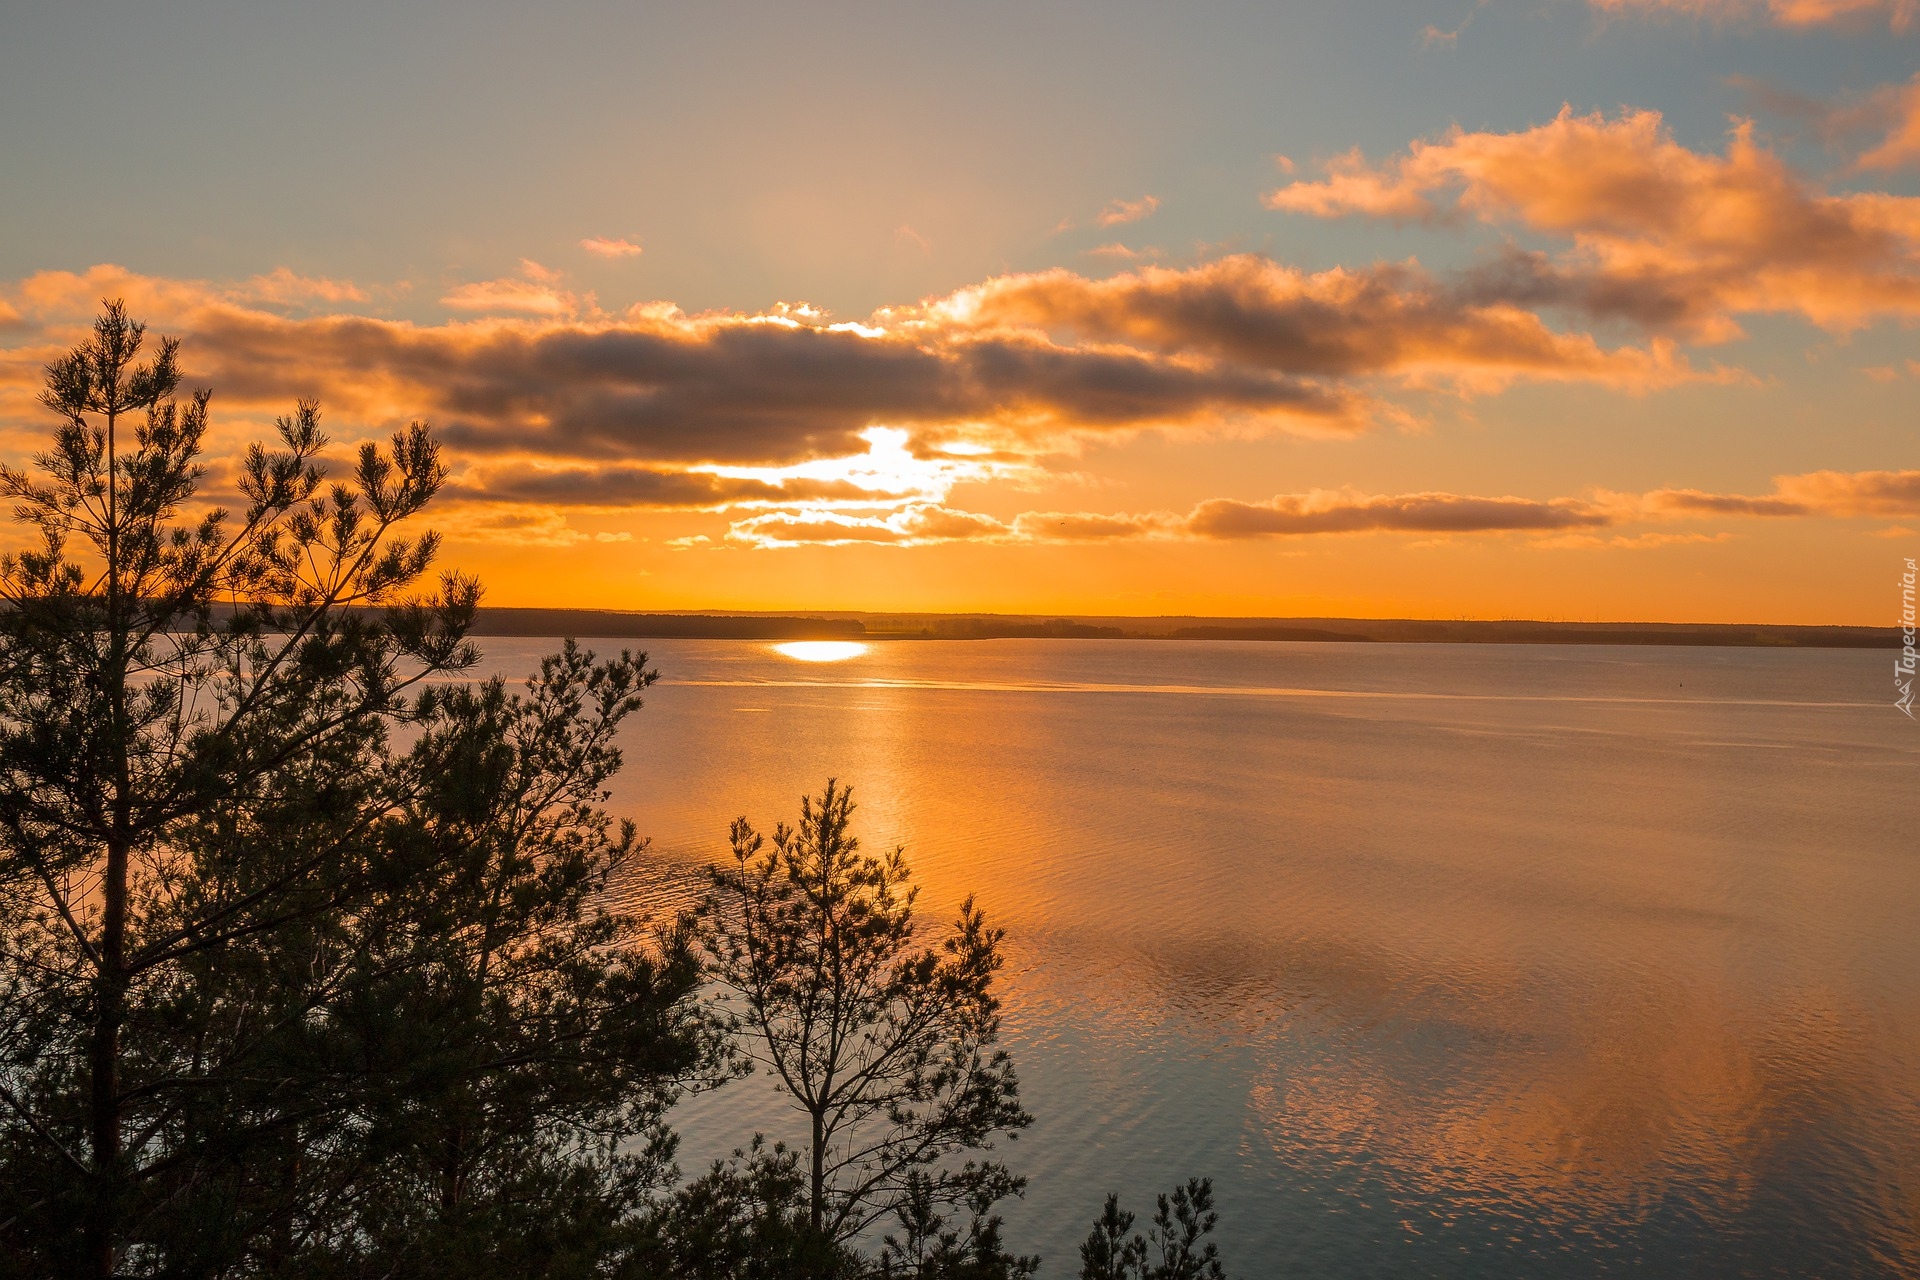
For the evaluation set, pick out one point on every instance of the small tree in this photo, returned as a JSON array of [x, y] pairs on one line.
[[161, 668], [887, 1046], [1177, 1237], [528, 1038], [744, 1219], [928, 1248]]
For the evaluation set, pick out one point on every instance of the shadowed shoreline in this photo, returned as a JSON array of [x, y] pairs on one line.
[[616, 624]]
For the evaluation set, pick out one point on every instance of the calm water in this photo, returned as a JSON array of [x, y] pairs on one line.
[[1440, 960]]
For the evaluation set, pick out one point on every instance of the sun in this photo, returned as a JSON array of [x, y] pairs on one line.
[[820, 650]]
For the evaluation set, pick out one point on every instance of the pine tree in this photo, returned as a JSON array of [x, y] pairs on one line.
[[887, 1047], [528, 1037], [1181, 1224], [163, 671]]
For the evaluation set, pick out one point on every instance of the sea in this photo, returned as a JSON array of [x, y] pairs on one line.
[[1438, 960]]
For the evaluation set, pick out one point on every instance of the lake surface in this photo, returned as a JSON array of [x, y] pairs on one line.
[[1439, 960]]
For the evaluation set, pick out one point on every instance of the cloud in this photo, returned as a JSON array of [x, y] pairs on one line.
[[621, 486], [1899, 14], [789, 408], [741, 389], [604, 247], [921, 524], [1017, 366], [1658, 234], [1629, 542], [1892, 110], [1087, 526], [1123, 211], [1218, 519], [1347, 512], [70, 298], [284, 286], [1823, 493], [1856, 493], [1447, 38], [1901, 147], [1554, 522], [533, 292], [1394, 320], [1694, 502], [515, 526]]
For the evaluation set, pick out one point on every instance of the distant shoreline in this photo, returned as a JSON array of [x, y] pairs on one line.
[[825, 625]]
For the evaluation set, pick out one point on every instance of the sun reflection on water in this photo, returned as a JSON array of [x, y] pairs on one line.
[[820, 650]]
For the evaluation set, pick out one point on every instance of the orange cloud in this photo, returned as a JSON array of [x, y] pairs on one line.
[[1901, 147], [1828, 493], [1659, 234], [282, 285], [535, 291], [1123, 211], [848, 431], [657, 386], [1394, 320], [917, 525], [1087, 526], [1218, 519], [1016, 367], [619, 486], [1560, 522], [1346, 512], [1899, 14], [70, 298], [1856, 493], [602, 247]]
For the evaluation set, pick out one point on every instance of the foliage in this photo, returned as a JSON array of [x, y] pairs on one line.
[[526, 1040], [279, 998], [745, 1219], [887, 1046], [927, 1248], [160, 670], [1177, 1237]]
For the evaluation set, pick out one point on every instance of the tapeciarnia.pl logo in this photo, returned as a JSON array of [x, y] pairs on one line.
[[1903, 665]]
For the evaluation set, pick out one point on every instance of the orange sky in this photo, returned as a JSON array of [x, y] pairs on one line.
[[1586, 361]]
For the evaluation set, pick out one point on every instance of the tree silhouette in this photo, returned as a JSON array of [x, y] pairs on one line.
[[1180, 1225], [159, 668], [887, 1046], [525, 1038]]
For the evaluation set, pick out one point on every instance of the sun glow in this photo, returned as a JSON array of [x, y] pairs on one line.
[[889, 470], [820, 650]]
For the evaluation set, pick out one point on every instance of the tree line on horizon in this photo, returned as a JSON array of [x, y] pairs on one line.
[[307, 967]]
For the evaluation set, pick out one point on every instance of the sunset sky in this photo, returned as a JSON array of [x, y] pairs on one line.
[[1569, 309]]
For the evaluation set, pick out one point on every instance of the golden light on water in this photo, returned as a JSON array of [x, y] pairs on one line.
[[820, 650]]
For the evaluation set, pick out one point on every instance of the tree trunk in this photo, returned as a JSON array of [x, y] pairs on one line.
[[819, 1199], [110, 999], [452, 1166], [104, 1068]]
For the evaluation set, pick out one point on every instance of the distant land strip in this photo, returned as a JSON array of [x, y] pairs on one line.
[[614, 624]]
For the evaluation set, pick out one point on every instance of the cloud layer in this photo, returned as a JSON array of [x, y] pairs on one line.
[[816, 431], [1016, 367], [1899, 14], [1347, 511], [1392, 320], [1655, 233]]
